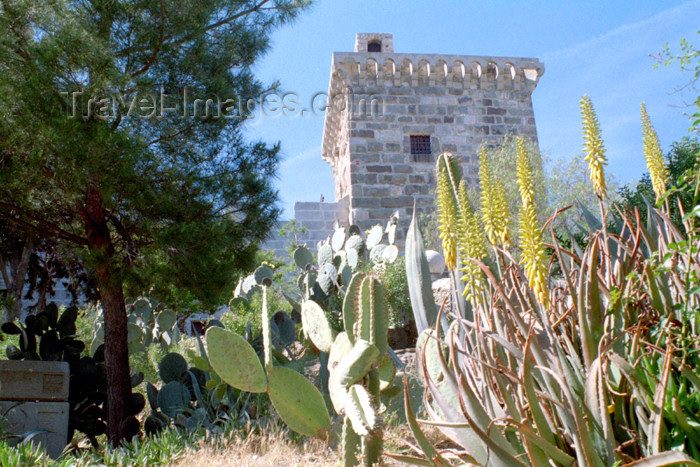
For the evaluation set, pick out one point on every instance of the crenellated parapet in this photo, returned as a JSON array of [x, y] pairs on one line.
[[452, 71]]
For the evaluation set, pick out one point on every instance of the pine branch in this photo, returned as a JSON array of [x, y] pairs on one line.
[[41, 226]]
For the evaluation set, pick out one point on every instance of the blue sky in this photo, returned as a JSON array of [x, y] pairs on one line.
[[599, 48]]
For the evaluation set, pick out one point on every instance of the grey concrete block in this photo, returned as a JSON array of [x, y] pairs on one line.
[[49, 418], [34, 380]]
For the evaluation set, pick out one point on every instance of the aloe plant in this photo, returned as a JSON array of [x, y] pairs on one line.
[[599, 368]]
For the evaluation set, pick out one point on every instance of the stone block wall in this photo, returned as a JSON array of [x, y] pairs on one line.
[[318, 218]]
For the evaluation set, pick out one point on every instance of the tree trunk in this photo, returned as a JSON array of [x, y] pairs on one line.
[[16, 277], [109, 285]]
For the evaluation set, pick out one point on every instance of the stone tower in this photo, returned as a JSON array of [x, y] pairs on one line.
[[390, 114]]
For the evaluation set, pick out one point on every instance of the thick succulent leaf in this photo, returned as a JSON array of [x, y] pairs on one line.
[[665, 459], [327, 277], [360, 410], [373, 313], [171, 367], [166, 320], [66, 323], [316, 325], [173, 399], [420, 287], [338, 239], [263, 275], [10, 328], [351, 444], [325, 254], [355, 242], [299, 403], [374, 237], [285, 327], [235, 361], [303, 257], [423, 442], [351, 305]]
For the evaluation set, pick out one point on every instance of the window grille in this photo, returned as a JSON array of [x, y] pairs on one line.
[[420, 148]]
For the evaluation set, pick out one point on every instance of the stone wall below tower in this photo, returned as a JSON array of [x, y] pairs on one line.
[[317, 218]]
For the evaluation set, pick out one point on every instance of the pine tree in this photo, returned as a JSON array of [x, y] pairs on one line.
[[91, 157]]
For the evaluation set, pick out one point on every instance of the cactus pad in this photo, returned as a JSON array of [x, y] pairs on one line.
[[327, 277], [374, 237], [338, 239], [171, 367], [303, 257], [166, 320], [235, 361], [350, 305], [173, 398], [316, 326], [263, 275], [325, 254], [298, 402], [360, 410]]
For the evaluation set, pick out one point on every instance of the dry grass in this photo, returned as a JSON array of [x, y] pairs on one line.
[[270, 448], [273, 447]]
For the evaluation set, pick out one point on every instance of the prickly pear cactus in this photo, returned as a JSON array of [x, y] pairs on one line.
[[358, 365], [297, 401], [327, 275]]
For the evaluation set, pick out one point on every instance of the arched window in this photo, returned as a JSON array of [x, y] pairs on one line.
[[374, 46]]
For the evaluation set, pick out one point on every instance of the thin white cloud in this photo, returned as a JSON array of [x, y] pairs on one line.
[[304, 156], [686, 10]]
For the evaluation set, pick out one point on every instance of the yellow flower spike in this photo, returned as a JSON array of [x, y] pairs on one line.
[[525, 179], [494, 208], [654, 156], [593, 147], [501, 210], [534, 255], [471, 237], [448, 173]]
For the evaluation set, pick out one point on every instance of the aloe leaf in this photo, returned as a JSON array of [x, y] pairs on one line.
[[420, 287], [423, 442], [594, 224], [664, 459], [657, 413], [551, 450], [411, 460], [532, 399]]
